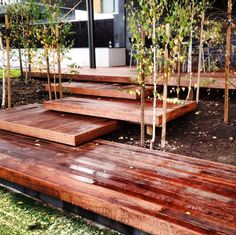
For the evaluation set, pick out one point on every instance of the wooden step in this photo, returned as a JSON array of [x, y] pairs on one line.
[[117, 109], [94, 77], [126, 75], [35, 121], [102, 89], [156, 192]]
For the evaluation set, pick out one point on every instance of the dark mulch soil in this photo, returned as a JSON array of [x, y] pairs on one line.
[[201, 134], [26, 92]]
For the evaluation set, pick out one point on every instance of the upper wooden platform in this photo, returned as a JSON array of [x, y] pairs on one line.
[[112, 90], [125, 110], [159, 193], [213, 80], [35, 121]]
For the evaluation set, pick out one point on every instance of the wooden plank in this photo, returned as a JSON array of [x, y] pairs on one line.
[[125, 110], [114, 180], [112, 90], [63, 128], [126, 75], [89, 78]]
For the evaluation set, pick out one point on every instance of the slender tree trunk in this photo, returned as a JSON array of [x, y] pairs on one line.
[[203, 60], [28, 50], [155, 87], [20, 61], [48, 74], [200, 56], [142, 126], [4, 92], [227, 63], [208, 60], [4, 87], [190, 52], [179, 70], [142, 114], [26, 65], [25, 58], [8, 61], [59, 61], [55, 85], [165, 92], [29, 63]]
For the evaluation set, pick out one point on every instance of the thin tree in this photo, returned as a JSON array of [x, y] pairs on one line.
[[4, 87], [165, 87], [142, 99], [52, 36], [156, 11], [227, 61], [190, 50], [8, 61], [141, 17], [181, 25], [154, 83], [22, 17], [200, 55], [138, 13], [59, 60]]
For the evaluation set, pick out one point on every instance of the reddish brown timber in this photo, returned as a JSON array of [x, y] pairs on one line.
[[35, 121], [112, 90], [212, 80], [125, 110], [114, 180], [90, 77]]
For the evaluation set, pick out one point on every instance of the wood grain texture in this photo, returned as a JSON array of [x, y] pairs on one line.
[[126, 75], [102, 89], [35, 121], [159, 193], [125, 110]]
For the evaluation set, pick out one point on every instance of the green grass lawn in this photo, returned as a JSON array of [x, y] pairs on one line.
[[15, 73], [20, 215]]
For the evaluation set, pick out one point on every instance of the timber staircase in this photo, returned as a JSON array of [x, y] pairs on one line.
[[117, 101], [102, 89], [93, 111], [152, 191]]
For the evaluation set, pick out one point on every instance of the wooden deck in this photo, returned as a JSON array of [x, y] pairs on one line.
[[99, 89], [159, 193], [35, 121], [125, 110], [213, 80]]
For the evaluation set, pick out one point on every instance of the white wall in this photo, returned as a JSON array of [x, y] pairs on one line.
[[105, 57], [83, 16]]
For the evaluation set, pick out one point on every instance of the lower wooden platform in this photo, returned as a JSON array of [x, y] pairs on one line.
[[125, 110], [156, 192], [35, 121], [102, 89]]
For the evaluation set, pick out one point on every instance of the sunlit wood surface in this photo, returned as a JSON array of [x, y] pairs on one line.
[[159, 193]]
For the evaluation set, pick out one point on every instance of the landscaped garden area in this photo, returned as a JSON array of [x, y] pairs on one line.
[[201, 134], [149, 145]]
